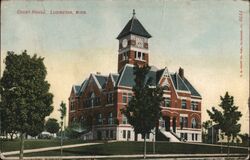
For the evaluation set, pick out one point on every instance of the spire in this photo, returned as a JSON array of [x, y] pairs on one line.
[[134, 27], [133, 13]]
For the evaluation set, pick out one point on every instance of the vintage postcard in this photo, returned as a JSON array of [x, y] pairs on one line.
[[124, 79]]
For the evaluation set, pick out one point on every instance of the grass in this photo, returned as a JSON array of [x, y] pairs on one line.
[[7, 145], [128, 148]]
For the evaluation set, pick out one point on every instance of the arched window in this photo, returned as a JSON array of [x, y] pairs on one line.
[[194, 123], [82, 121]]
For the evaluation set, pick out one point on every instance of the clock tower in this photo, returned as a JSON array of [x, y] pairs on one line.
[[133, 44]]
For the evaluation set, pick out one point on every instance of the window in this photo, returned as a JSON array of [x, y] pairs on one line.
[[92, 100], [143, 56], [110, 99], [192, 136], [194, 123], [194, 106], [129, 134], [73, 120], [72, 105], [125, 55], [124, 134], [135, 54], [124, 98], [196, 137], [183, 104], [182, 135], [111, 133], [183, 122], [110, 118], [129, 97], [124, 119], [99, 118], [167, 102], [139, 55], [82, 120], [185, 136]]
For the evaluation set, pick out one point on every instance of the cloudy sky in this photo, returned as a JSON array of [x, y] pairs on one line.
[[202, 37]]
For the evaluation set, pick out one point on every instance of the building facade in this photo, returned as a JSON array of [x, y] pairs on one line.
[[98, 101]]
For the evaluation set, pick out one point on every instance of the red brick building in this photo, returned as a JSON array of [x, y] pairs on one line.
[[98, 100]]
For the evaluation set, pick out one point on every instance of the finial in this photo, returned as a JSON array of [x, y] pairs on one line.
[[133, 12]]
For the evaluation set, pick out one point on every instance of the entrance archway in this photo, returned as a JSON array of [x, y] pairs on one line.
[[167, 123], [174, 124]]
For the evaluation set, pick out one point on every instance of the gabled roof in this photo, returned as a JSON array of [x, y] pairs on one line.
[[159, 74], [76, 89], [134, 26], [101, 80], [83, 86], [114, 78], [178, 82], [127, 76], [193, 91], [183, 84]]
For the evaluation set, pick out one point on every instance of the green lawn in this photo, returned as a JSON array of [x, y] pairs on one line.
[[36, 143], [137, 148]]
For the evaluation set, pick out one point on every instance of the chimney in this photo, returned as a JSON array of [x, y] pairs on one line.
[[181, 72], [98, 73]]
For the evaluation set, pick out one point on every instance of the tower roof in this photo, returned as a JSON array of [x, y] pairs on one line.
[[134, 26]]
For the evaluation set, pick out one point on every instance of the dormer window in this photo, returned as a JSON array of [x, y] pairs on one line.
[[110, 98], [92, 100]]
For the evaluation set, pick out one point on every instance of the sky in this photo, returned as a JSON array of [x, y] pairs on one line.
[[203, 37]]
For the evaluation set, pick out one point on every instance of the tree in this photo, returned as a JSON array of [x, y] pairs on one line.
[[26, 100], [52, 126], [62, 111], [206, 125], [144, 111], [227, 119]]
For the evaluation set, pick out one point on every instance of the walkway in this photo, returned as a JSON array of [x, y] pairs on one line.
[[49, 148], [139, 156]]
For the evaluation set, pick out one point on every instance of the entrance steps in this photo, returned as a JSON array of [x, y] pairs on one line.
[[172, 136]]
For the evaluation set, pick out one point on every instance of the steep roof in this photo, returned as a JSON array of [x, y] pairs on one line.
[[114, 78], [83, 86], [159, 74], [127, 76], [193, 91], [101, 79], [183, 84], [134, 26], [76, 88], [178, 82]]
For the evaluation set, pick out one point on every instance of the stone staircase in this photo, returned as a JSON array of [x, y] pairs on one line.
[[171, 135]]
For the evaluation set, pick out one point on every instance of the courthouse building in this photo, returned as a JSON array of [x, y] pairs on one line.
[[98, 101]]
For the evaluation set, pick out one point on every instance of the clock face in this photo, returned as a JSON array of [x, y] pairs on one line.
[[124, 43], [139, 42]]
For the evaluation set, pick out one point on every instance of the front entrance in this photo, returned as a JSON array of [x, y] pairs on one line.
[[167, 123], [174, 124]]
